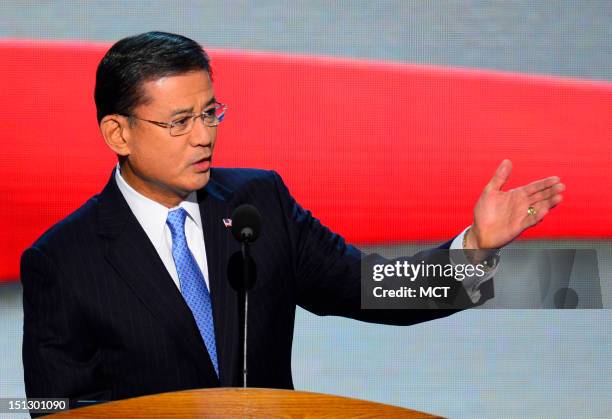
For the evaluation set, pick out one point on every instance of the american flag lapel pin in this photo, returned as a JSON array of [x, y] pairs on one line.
[[227, 222]]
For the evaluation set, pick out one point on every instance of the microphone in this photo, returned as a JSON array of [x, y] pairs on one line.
[[246, 223], [246, 226]]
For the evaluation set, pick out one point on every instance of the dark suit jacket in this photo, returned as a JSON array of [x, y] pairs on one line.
[[103, 319]]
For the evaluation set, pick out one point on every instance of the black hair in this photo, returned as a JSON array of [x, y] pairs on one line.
[[140, 58]]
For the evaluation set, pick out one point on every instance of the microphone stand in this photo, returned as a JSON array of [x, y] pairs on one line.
[[245, 228], [247, 235]]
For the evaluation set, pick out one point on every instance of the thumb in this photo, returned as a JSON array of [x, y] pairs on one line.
[[500, 177]]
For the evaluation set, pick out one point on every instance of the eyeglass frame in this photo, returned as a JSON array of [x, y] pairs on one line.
[[171, 125]]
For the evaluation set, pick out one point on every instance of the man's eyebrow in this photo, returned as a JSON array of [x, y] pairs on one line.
[[190, 110], [180, 111]]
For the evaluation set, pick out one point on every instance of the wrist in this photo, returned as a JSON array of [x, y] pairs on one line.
[[476, 255], [470, 240]]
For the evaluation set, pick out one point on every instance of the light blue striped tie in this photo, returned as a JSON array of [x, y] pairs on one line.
[[193, 287]]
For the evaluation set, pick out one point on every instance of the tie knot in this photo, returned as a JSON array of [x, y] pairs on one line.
[[176, 221]]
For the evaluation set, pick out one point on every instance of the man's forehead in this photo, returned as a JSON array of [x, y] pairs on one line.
[[178, 90]]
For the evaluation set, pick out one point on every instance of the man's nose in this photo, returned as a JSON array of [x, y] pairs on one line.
[[202, 134]]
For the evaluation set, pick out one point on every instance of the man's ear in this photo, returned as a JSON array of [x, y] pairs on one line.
[[116, 132]]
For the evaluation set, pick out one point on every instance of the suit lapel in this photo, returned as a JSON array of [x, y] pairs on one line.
[[136, 261], [215, 205]]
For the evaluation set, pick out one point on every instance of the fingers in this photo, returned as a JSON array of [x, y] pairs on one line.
[[546, 193], [541, 209], [539, 185], [500, 177]]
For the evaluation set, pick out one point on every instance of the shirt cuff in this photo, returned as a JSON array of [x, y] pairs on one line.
[[471, 284]]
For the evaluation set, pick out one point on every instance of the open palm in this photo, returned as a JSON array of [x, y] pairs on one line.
[[500, 216]]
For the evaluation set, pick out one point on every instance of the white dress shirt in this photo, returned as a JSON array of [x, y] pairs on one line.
[[152, 217]]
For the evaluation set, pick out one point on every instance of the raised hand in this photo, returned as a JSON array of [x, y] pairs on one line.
[[500, 216]]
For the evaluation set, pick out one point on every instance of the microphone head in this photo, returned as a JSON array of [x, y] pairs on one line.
[[246, 223]]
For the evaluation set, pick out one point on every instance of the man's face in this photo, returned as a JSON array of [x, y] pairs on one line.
[[160, 166]]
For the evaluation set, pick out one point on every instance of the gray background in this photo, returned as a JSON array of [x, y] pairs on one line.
[[567, 37], [480, 363]]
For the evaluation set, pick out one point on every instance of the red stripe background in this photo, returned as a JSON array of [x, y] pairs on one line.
[[380, 152]]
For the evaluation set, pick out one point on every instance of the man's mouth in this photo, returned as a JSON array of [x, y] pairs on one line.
[[203, 165]]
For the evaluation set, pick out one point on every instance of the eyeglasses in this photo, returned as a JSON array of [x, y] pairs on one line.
[[183, 125]]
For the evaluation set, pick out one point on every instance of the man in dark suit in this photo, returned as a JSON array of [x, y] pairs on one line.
[[129, 294]]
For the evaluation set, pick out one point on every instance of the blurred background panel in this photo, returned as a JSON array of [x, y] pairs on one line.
[[386, 119]]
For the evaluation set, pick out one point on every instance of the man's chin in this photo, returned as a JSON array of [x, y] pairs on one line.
[[200, 180]]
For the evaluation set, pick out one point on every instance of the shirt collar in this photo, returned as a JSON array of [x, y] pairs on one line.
[[151, 214]]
